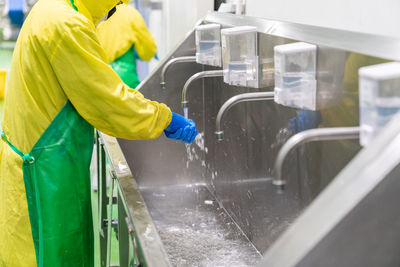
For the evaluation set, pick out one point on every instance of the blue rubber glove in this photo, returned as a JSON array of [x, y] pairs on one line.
[[181, 129], [305, 120]]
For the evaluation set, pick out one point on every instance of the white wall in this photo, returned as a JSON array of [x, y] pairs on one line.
[[177, 17], [370, 16], [181, 16]]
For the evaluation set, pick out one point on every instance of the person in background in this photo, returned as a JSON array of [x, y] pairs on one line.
[[61, 87], [125, 38]]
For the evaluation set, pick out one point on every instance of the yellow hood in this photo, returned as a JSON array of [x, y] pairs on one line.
[[96, 9]]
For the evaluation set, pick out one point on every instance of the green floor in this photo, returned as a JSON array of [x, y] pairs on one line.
[[6, 51]]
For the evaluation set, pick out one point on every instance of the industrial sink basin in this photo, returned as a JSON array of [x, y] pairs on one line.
[[213, 203]]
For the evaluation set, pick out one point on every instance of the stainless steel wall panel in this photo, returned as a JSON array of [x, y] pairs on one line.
[[238, 170]]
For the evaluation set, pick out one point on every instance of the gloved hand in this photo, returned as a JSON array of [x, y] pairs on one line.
[[305, 120], [181, 129]]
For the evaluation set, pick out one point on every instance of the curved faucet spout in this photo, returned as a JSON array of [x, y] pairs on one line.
[[170, 63], [258, 96], [320, 134], [199, 75]]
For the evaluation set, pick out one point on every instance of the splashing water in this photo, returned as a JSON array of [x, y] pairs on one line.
[[197, 232], [281, 137], [191, 152], [199, 141]]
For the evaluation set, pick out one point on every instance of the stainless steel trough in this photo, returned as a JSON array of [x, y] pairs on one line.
[[213, 203]]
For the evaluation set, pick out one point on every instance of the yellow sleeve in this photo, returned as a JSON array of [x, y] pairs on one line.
[[145, 44], [99, 95]]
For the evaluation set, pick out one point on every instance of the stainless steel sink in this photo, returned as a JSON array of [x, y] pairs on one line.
[[213, 203], [195, 229], [236, 173]]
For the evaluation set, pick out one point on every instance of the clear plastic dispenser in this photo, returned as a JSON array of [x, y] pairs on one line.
[[379, 98], [239, 56], [295, 75], [208, 45]]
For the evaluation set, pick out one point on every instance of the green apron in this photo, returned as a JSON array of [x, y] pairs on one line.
[[57, 184], [125, 67]]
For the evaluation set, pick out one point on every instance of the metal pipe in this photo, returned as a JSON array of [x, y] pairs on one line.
[[109, 220], [170, 63], [259, 96], [199, 75], [321, 134]]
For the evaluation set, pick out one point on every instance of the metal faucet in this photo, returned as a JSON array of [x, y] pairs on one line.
[[259, 96], [321, 134], [171, 62], [199, 75]]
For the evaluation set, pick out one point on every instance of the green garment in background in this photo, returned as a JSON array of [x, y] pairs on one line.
[[57, 184], [125, 67]]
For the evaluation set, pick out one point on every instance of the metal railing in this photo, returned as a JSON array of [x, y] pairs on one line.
[[129, 254]]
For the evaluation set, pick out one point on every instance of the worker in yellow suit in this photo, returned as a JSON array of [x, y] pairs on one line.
[[125, 38], [60, 87]]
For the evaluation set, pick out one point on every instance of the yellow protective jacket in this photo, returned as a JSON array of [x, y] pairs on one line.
[[124, 29], [58, 58]]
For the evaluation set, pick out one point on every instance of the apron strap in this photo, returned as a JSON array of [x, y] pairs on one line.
[[28, 159], [73, 5]]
